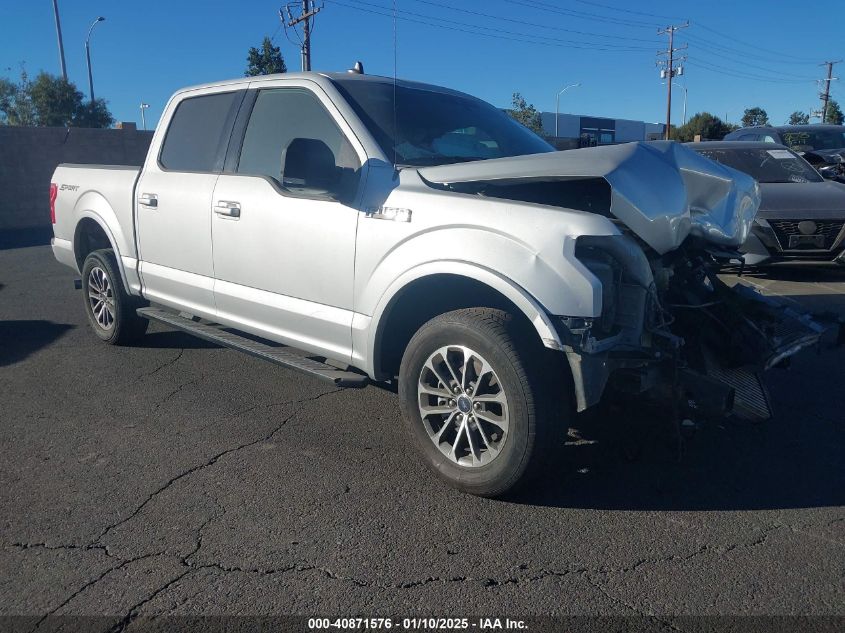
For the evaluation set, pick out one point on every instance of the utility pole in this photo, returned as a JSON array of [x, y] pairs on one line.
[[825, 96], [306, 18], [670, 71], [59, 36]]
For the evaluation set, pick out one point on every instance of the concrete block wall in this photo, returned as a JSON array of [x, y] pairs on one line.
[[29, 155]]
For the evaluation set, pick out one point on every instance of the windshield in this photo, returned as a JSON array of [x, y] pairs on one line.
[[809, 140], [435, 128], [765, 165]]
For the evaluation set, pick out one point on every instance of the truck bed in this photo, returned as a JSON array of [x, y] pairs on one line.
[[100, 192]]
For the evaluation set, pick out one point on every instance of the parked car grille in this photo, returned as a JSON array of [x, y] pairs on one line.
[[827, 230]]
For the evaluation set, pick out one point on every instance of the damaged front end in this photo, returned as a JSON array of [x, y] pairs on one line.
[[669, 326], [687, 336]]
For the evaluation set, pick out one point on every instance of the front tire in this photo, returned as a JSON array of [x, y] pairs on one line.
[[109, 308], [475, 390]]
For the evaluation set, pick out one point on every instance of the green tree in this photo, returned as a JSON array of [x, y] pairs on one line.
[[49, 101], [526, 113], [754, 116], [56, 101], [266, 60], [16, 101], [93, 115], [703, 124], [8, 92], [798, 118], [834, 113]]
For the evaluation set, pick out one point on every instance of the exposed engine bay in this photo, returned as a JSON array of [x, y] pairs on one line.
[[669, 326], [687, 335]]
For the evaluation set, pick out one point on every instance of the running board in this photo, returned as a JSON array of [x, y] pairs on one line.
[[278, 355]]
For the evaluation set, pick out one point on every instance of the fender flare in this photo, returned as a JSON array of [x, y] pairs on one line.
[[98, 219], [515, 293]]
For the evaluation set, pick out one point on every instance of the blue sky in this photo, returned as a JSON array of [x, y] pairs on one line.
[[741, 53]]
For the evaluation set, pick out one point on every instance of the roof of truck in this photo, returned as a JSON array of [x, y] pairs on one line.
[[319, 77]]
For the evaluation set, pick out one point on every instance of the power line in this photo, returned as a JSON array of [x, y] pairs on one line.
[[620, 9], [542, 6], [708, 43], [759, 48], [764, 69], [503, 31], [722, 70], [533, 24], [523, 38]]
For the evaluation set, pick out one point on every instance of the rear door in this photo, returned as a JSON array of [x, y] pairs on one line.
[[173, 201], [285, 218]]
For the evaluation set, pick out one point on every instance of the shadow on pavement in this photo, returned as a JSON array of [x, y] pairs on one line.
[[630, 461], [20, 339]]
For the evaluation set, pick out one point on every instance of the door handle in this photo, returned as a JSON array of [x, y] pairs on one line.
[[228, 209], [148, 200]]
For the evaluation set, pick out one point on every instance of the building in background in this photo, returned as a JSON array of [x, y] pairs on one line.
[[576, 130]]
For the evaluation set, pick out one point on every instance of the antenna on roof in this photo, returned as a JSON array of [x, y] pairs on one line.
[[395, 131], [357, 69]]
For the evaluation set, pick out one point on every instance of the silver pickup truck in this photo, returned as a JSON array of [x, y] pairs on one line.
[[364, 229]]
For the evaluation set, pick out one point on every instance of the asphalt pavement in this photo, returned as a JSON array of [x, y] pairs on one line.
[[179, 478]]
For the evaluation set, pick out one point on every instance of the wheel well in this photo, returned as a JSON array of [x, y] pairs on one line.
[[421, 301], [88, 238]]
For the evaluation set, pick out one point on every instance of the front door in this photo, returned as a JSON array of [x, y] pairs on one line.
[[283, 224]]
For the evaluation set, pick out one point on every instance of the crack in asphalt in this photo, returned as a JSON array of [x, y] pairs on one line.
[[165, 364], [631, 607], [133, 611], [95, 545], [178, 389], [66, 546], [91, 583], [209, 462], [192, 567]]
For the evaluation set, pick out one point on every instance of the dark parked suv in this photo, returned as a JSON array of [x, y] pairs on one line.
[[801, 216]]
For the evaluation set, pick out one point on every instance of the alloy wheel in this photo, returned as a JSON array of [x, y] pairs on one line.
[[463, 406]]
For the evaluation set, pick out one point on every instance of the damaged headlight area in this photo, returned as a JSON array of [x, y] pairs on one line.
[[670, 328]]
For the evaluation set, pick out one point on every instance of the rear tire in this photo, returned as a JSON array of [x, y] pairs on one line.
[[109, 308], [476, 390]]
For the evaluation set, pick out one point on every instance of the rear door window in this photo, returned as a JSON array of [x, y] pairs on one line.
[[197, 133]]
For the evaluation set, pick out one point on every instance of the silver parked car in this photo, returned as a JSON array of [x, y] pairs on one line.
[[801, 216]]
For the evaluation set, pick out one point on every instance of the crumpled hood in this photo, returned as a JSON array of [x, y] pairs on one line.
[[661, 190]]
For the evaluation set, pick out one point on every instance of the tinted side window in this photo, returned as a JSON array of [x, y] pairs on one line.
[[748, 137], [196, 131], [293, 140]]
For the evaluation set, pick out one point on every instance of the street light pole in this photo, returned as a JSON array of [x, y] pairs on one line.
[[144, 106], [59, 36], [557, 104], [88, 56]]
